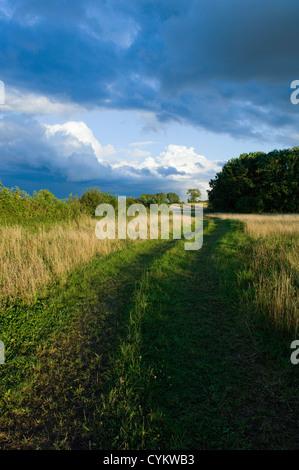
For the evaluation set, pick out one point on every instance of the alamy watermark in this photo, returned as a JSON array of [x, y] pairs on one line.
[[295, 94], [295, 354], [2, 353], [146, 226], [2, 93]]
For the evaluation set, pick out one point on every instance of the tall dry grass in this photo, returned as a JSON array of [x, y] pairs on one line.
[[264, 225], [273, 257], [31, 259]]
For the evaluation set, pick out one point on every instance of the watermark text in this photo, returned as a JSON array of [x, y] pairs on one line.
[[2, 353], [187, 222], [295, 94], [295, 354], [2, 93]]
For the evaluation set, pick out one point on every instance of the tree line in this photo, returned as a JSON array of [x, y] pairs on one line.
[[94, 197], [258, 182], [17, 206]]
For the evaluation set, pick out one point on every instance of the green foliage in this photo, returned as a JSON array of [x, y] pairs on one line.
[[93, 197], [158, 198], [17, 206], [258, 182], [161, 198], [194, 195], [148, 199], [131, 200], [173, 198]]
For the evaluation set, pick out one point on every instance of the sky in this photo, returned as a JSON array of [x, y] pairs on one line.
[[142, 96]]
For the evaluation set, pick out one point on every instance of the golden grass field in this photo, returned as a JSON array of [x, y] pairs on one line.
[[274, 265], [112, 354], [263, 225], [30, 260]]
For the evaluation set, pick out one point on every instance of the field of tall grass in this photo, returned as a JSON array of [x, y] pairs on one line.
[[32, 259], [34, 256], [273, 265], [112, 344], [264, 225]]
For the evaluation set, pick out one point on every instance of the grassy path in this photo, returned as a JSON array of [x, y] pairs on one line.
[[220, 379], [59, 353], [152, 348]]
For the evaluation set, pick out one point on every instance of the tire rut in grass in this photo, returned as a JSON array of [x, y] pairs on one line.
[[213, 381], [59, 406]]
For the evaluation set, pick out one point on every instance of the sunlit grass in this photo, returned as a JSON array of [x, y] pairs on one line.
[[273, 257], [33, 257], [263, 225], [30, 260]]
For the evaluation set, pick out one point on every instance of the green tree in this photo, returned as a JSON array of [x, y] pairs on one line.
[[131, 200], [93, 197], [173, 198], [147, 199], [194, 195], [160, 198], [258, 182]]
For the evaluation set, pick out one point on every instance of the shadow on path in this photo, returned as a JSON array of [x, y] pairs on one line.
[[213, 381]]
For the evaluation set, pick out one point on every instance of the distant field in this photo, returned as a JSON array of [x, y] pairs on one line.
[[264, 225]]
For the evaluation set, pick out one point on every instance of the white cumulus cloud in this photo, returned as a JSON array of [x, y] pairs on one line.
[[77, 133], [71, 151]]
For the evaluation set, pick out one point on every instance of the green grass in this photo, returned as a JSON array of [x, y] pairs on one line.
[[220, 378], [60, 344], [152, 347]]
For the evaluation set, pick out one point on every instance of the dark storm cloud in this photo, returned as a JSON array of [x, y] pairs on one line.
[[25, 147], [225, 66]]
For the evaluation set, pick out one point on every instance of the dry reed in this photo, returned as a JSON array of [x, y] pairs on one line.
[[30, 260], [273, 258]]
